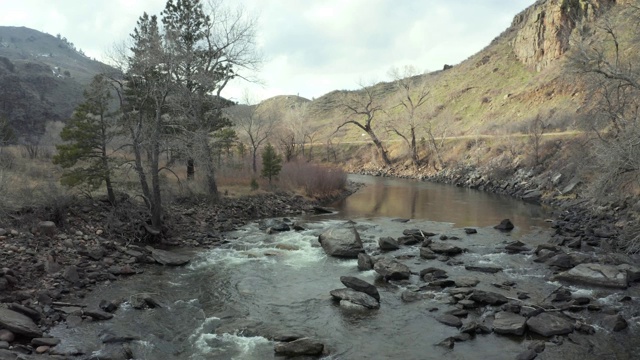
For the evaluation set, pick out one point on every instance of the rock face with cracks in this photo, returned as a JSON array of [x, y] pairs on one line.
[[596, 274]]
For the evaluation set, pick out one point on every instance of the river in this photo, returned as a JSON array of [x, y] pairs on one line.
[[229, 300]]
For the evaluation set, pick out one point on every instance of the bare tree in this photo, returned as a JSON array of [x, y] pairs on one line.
[[255, 124], [361, 108], [535, 133], [607, 59], [406, 116]]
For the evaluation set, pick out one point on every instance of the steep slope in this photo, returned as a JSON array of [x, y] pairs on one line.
[[42, 78], [523, 73]]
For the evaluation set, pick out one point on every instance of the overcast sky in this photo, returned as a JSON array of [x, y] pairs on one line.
[[311, 47]]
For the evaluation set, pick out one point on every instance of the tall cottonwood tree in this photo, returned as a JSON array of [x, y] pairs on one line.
[[173, 83], [362, 108], [211, 45], [409, 113], [88, 134]]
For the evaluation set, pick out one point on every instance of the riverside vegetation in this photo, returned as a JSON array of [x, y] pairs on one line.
[[177, 161]]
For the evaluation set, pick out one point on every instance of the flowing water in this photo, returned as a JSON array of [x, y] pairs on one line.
[[230, 300]]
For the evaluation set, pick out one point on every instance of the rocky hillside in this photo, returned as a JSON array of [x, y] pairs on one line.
[[42, 77], [523, 72]]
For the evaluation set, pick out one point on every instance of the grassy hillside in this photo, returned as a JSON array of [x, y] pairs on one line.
[[491, 92]]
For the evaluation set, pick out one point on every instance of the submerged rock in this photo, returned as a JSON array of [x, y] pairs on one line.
[[300, 347], [341, 241], [615, 323], [450, 320], [491, 269]]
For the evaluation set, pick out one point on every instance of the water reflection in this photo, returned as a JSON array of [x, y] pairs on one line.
[[384, 197]]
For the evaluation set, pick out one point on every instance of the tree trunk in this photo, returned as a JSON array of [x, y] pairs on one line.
[[190, 169], [381, 149], [156, 201], [254, 164], [212, 187], [414, 149]]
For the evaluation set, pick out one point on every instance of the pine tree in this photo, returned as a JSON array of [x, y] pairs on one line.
[[271, 162], [87, 134]]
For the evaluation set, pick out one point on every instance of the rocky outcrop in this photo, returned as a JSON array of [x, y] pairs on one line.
[[544, 29]]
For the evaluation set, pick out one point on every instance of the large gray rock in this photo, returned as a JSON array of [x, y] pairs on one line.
[[388, 244], [168, 258], [450, 320], [18, 323], [300, 347], [341, 242], [391, 269], [445, 248], [508, 323], [356, 297], [548, 324], [274, 225], [487, 297], [360, 285], [596, 274], [365, 262]]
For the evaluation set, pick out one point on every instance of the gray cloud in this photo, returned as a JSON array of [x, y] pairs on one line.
[[312, 47]]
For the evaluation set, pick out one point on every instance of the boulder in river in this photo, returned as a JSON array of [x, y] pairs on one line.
[[595, 274], [445, 248], [356, 297], [388, 244], [391, 269], [168, 258], [364, 262], [360, 285], [614, 323], [548, 324], [274, 225], [508, 323], [505, 225], [18, 323], [341, 241], [487, 297], [300, 347]]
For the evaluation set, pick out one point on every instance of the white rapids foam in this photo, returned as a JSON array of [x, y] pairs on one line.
[[243, 346]]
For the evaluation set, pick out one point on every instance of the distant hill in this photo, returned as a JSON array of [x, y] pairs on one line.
[[42, 78], [523, 72]]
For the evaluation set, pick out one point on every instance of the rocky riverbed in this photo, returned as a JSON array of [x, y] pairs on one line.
[[47, 266], [48, 269]]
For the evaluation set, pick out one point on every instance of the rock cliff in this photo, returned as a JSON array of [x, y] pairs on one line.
[[543, 30]]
